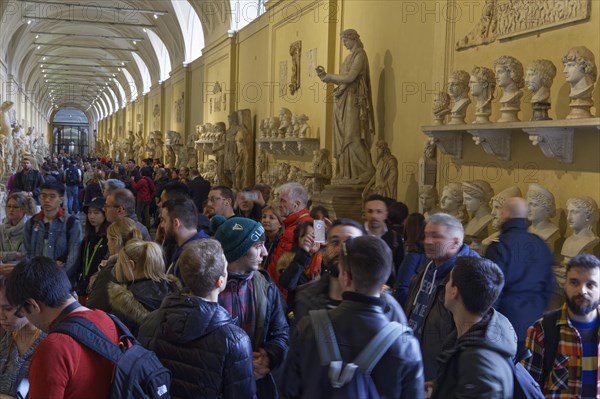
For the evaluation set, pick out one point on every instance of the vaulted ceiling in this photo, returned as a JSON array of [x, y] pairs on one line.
[[98, 55]]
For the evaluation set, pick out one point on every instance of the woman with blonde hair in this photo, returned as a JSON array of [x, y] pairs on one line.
[[142, 282], [19, 208], [117, 234]]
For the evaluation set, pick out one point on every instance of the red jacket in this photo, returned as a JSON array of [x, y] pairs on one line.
[[144, 189], [286, 241]]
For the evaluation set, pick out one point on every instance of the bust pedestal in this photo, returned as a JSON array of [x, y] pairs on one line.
[[341, 200], [580, 108], [575, 245], [540, 112]]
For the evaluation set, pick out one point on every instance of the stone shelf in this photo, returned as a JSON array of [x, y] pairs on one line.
[[208, 146], [288, 146], [554, 137]]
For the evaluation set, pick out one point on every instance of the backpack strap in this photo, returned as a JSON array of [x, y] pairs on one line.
[[551, 339], [88, 334], [368, 358], [325, 337]]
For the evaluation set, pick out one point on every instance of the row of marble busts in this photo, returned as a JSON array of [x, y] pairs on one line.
[[579, 70], [477, 197], [286, 125], [209, 132]]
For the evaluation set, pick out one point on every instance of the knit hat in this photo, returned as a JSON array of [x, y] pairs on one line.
[[236, 235], [96, 202]]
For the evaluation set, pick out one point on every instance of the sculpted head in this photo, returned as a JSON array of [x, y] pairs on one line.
[[428, 197], [579, 63], [475, 193], [497, 204], [441, 101], [540, 202], [452, 197], [582, 213], [482, 82], [508, 70], [382, 148], [458, 84], [350, 36], [540, 73]]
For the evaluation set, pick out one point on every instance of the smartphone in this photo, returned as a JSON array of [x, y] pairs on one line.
[[319, 227]]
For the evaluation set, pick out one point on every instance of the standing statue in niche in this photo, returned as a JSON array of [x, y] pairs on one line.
[[192, 154], [180, 109], [231, 149], [139, 145], [243, 170], [295, 52], [538, 79], [128, 148], [322, 170], [541, 207], [509, 77], [220, 152], [580, 73], [582, 214], [458, 89], [428, 199], [353, 128], [428, 164], [441, 107], [156, 117], [385, 179], [476, 198], [497, 203], [261, 166], [452, 202], [482, 84], [159, 151]]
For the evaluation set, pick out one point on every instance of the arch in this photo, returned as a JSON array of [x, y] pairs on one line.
[[191, 27], [145, 74], [245, 11], [164, 61]]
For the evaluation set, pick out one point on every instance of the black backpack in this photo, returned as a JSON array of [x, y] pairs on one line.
[[352, 380], [525, 387], [138, 372], [72, 176]]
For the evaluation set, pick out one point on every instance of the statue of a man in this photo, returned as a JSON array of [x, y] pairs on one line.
[[538, 79], [441, 107], [482, 84], [428, 199], [458, 89], [580, 73], [385, 179], [354, 126], [509, 77]]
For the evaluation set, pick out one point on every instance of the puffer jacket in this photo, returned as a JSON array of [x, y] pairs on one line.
[[133, 301], [438, 322], [358, 318], [209, 356], [476, 364]]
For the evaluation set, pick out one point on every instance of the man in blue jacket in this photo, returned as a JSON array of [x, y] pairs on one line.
[[427, 316], [526, 262]]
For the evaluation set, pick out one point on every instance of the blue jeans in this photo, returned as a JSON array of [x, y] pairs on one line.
[[73, 199]]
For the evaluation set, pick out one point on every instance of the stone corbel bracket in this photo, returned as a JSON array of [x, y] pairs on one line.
[[555, 142], [206, 146], [449, 142], [289, 146], [493, 141]]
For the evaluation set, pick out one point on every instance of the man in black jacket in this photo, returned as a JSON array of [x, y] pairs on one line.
[[28, 180], [195, 338], [365, 264], [199, 188]]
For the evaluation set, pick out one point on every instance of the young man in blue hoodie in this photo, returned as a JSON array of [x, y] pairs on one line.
[[427, 316]]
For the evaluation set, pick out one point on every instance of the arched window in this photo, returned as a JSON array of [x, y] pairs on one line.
[[193, 35], [144, 72], [164, 61], [245, 11], [131, 85]]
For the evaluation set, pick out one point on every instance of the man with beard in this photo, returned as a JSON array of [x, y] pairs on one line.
[[326, 292], [568, 367], [28, 180], [220, 202], [178, 221]]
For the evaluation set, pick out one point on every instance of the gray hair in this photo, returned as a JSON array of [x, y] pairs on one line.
[[295, 192], [452, 224]]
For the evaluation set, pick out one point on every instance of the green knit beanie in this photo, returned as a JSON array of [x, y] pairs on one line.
[[236, 235]]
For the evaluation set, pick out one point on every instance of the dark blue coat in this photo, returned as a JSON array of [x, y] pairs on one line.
[[526, 262]]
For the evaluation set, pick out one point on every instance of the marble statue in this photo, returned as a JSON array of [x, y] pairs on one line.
[[509, 77], [210, 172], [441, 107], [156, 117], [139, 145], [19, 143], [295, 52], [191, 153], [231, 149], [243, 171], [301, 129], [385, 179], [458, 89], [220, 153], [171, 142], [582, 214], [428, 199], [264, 128], [354, 126], [274, 126], [159, 152], [128, 148], [452, 202], [482, 84], [428, 164], [285, 123], [538, 79], [5, 109], [322, 169], [497, 203], [580, 73], [476, 198], [180, 109], [541, 207], [262, 163], [151, 148]]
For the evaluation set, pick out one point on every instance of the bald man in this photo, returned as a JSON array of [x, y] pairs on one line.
[[526, 262]]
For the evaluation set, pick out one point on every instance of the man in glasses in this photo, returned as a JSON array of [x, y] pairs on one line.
[[52, 232], [120, 203], [365, 263], [220, 202]]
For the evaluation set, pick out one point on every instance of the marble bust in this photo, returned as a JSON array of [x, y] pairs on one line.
[[482, 84], [538, 79], [441, 107], [580, 73], [541, 207], [428, 199], [476, 197], [497, 203], [509, 77], [582, 213], [452, 201], [458, 89]]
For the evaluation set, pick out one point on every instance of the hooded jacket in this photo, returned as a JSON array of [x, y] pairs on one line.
[[476, 364], [208, 355]]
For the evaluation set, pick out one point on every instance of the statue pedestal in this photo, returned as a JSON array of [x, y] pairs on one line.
[[341, 201], [540, 112], [580, 108]]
